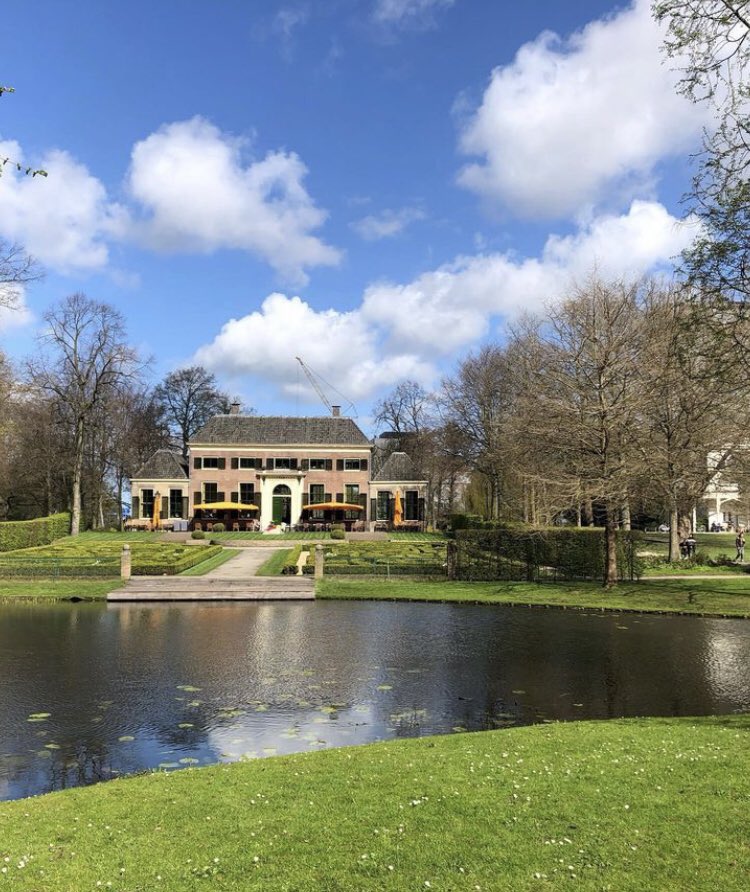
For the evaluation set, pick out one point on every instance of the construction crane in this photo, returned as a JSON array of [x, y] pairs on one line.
[[313, 377]]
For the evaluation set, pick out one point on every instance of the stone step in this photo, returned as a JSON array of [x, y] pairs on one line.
[[206, 588], [124, 594]]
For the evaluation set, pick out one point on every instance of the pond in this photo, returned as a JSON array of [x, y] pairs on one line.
[[92, 691]]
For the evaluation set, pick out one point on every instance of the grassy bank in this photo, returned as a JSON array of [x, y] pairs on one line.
[[56, 589], [722, 597], [629, 805], [226, 554]]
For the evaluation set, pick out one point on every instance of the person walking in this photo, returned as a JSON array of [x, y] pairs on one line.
[[740, 545]]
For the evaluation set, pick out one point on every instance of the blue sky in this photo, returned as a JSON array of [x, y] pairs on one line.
[[378, 186]]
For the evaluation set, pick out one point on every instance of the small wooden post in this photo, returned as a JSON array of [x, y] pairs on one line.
[[451, 559], [319, 561], [125, 562]]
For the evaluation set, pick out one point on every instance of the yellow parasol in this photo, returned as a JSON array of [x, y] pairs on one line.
[[157, 511], [398, 511], [333, 506], [227, 506]]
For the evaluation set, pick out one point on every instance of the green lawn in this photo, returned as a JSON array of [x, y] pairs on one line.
[[226, 554], [711, 546], [274, 565], [280, 537], [724, 597], [655, 804], [416, 537], [57, 589], [416, 558]]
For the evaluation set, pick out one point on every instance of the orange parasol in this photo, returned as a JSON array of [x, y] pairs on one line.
[[157, 511], [398, 511]]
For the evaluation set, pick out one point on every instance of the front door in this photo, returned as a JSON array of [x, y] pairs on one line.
[[282, 504]]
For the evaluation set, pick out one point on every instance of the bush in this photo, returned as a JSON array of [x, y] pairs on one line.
[[338, 527], [338, 534], [197, 534], [218, 528], [517, 552], [289, 567], [30, 533]]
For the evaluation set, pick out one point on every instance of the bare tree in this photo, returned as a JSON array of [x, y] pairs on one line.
[[580, 400], [17, 269], [84, 359], [709, 40], [188, 398]]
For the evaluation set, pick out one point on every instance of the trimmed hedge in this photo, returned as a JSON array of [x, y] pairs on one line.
[[29, 533], [381, 559], [531, 554]]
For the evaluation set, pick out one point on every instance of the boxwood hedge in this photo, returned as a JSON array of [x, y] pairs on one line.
[[28, 533]]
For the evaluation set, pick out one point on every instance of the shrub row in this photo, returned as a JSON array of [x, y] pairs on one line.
[[28, 533], [289, 567], [523, 553]]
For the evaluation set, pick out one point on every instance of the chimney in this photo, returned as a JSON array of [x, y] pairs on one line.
[[234, 409], [336, 411]]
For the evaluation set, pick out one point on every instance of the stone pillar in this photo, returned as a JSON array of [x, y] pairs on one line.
[[319, 561], [125, 562]]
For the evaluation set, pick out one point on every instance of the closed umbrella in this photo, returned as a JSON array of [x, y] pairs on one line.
[[157, 511], [398, 511]]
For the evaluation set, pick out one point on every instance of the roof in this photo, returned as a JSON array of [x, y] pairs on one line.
[[397, 467], [279, 430], [164, 464]]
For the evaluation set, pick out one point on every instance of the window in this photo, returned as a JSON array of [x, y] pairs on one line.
[[352, 464], [351, 493], [247, 493], [382, 509], [211, 462], [317, 493], [247, 463], [411, 504], [147, 503], [317, 464], [282, 464], [175, 503], [210, 492]]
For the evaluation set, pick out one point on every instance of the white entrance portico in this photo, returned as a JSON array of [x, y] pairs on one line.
[[280, 497]]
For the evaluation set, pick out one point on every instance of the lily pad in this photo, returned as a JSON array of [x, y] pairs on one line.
[[188, 760], [38, 716], [186, 725], [188, 687], [385, 687], [126, 738]]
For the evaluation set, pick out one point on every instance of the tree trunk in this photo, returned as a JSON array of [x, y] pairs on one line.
[[75, 512], [674, 535], [625, 514], [610, 559]]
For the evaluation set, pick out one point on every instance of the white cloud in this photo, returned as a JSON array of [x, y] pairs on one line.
[[572, 119], [453, 306], [64, 220], [14, 313], [340, 346], [200, 195], [401, 330], [407, 13], [386, 224]]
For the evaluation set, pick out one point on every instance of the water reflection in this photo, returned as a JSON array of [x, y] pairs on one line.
[[131, 687]]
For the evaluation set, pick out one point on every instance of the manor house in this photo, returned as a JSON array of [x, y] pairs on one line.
[[258, 472]]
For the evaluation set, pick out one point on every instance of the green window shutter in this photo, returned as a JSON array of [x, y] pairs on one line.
[[327, 497], [373, 509], [292, 464], [185, 507], [222, 464], [390, 506], [197, 498], [329, 464], [197, 463], [256, 499], [363, 464], [235, 463], [234, 497], [305, 464], [339, 497], [135, 510], [219, 496], [305, 499], [339, 464], [420, 509], [164, 514]]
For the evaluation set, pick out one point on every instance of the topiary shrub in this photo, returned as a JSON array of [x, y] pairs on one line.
[[338, 534], [335, 527], [218, 528], [197, 534], [30, 533]]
